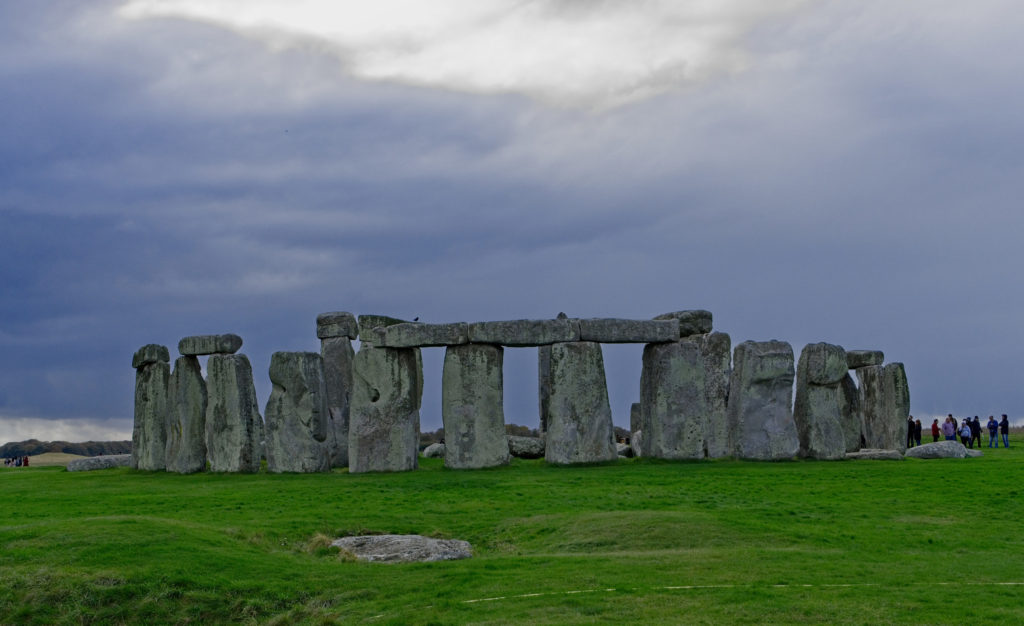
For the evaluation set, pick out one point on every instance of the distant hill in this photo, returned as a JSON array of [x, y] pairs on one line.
[[34, 447]]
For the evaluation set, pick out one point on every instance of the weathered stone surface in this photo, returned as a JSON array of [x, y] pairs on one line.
[[874, 454], [472, 407], [149, 433], [297, 420], [623, 450], [938, 450], [404, 548], [525, 333], [186, 425], [818, 402], [634, 417], [385, 419], [636, 442], [434, 451], [150, 353], [606, 330], [544, 385], [234, 427], [695, 322], [337, 324], [884, 399], [367, 323], [973, 453], [100, 462], [716, 351], [525, 447], [863, 358], [849, 414], [416, 335], [198, 345], [580, 420], [338, 356], [760, 401]]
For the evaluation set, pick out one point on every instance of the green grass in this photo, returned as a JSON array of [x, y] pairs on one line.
[[639, 540]]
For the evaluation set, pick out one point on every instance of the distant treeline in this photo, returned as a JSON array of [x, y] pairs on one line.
[[34, 447]]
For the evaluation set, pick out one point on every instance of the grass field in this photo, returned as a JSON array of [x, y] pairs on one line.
[[635, 541]]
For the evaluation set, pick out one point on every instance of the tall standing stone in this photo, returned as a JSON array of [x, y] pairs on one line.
[[297, 421], [579, 428], [849, 414], [885, 405], [716, 352], [544, 385], [472, 407], [385, 419], [760, 401], [149, 432], [336, 331], [234, 428], [818, 403], [186, 428]]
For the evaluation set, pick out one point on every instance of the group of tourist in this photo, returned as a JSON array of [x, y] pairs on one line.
[[18, 461], [969, 431]]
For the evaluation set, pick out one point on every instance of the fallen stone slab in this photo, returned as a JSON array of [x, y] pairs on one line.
[[416, 335], [874, 454], [525, 447], [434, 451], [863, 358], [199, 345], [367, 324], [525, 333], [939, 450], [100, 462], [607, 330], [404, 548], [337, 324], [695, 322], [150, 353]]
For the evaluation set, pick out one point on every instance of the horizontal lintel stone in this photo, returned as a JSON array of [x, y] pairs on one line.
[[367, 324], [695, 322], [525, 333], [864, 358], [150, 353], [209, 344], [605, 330], [416, 335], [336, 324]]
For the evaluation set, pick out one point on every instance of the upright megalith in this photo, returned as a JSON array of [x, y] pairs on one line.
[[543, 385], [149, 432], [849, 414], [884, 398], [385, 418], [579, 428], [297, 420], [472, 407], [186, 427], [684, 389], [234, 428], [817, 408], [336, 330], [760, 401]]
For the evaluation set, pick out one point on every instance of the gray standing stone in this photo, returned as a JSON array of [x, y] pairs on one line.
[[863, 358], [416, 335], [605, 330], [525, 447], [297, 421], [760, 401], [525, 333], [434, 451], [695, 322], [634, 417], [636, 442], [544, 385], [716, 351], [885, 405], [186, 428], [580, 419], [819, 399], [198, 345], [336, 324], [849, 414], [385, 420], [149, 433], [234, 427], [472, 407], [338, 356]]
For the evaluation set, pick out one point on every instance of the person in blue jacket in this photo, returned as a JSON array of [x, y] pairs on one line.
[[993, 431]]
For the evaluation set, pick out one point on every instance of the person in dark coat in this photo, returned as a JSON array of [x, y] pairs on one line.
[[975, 431], [993, 431], [1004, 429], [910, 431], [917, 432]]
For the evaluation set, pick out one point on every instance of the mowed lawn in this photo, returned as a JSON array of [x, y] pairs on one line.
[[868, 542]]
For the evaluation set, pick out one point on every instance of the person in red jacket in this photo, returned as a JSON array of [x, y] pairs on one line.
[[935, 430]]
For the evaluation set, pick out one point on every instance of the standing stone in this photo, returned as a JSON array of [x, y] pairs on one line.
[[579, 428], [885, 405], [544, 385], [819, 399], [849, 414], [234, 428], [716, 352], [186, 428], [149, 432], [760, 401], [296, 416], [472, 407], [634, 417], [385, 419], [338, 357]]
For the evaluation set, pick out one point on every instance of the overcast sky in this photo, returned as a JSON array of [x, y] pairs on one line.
[[847, 171]]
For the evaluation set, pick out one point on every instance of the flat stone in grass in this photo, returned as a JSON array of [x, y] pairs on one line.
[[940, 450], [404, 548], [100, 462], [874, 454]]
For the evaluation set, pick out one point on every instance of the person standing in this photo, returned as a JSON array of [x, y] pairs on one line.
[[917, 432], [966, 437], [993, 431], [1004, 429], [910, 431], [975, 431], [935, 430], [949, 429]]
